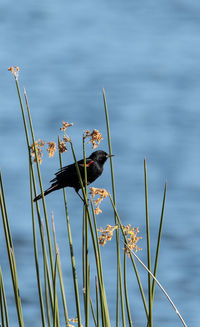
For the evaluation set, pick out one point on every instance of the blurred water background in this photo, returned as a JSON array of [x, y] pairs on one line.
[[147, 57]]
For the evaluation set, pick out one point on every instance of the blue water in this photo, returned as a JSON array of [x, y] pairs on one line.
[[147, 57]]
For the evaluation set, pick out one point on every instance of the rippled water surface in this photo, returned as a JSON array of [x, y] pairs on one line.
[[147, 57]]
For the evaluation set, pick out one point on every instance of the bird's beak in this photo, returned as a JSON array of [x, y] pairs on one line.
[[110, 155]]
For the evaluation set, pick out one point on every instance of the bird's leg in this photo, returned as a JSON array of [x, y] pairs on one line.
[[81, 197]]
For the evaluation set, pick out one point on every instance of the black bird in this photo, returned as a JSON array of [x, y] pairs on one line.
[[68, 177]]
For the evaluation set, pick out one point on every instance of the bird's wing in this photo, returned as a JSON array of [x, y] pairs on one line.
[[68, 169]]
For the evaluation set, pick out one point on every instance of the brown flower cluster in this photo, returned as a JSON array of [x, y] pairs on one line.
[[38, 147], [51, 149], [15, 71], [102, 193], [106, 234], [62, 147], [65, 126], [66, 138], [95, 136], [74, 320], [51, 145], [132, 239]]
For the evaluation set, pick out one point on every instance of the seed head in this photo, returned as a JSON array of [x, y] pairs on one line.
[[15, 71], [95, 137], [38, 147], [65, 126], [132, 239], [103, 194], [106, 234], [51, 149]]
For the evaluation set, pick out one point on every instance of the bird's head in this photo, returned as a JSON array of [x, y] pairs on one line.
[[100, 156]]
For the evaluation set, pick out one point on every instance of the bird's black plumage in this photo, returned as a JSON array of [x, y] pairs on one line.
[[68, 177]]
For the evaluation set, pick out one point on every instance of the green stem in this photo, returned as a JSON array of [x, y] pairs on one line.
[[78, 310], [119, 275], [126, 294], [150, 319], [133, 262], [36, 251], [159, 239]]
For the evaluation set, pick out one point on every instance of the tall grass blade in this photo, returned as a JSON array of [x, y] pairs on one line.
[[39, 177], [119, 288], [55, 313], [126, 294], [93, 313], [161, 287], [159, 239], [60, 275], [78, 310], [86, 286], [133, 262], [4, 309], [150, 319], [11, 256], [97, 302], [36, 251]]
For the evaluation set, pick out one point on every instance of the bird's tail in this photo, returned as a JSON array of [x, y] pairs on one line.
[[49, 190]]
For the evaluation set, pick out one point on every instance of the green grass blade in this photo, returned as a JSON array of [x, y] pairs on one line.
[[11, 257], [133, 262], [86, 286], [36, 252], [47, 296], [97, 302], [119, 287], [60, 275], [75, 281], [55, 312], [40, 181], [150, 319], [93, 313], [159, 239], [126, 294], [3, 301]]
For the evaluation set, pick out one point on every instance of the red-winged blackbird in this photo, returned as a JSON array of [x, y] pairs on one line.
[[68, 177]]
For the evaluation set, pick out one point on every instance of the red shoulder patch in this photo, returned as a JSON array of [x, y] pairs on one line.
[[87, 165]]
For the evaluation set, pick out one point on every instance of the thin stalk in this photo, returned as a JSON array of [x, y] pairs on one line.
[[28, 146], [41, 229], [11, 257], [83, 254], [55, 313], [159, 239], [6, 214], [36, 251], [39, 176], [150, 319], [98, 263], [100, 266], [60, 274], [78, 310], [105, 315], [133, 262], [34, 185], [47, 296], [126, 294], [87, 294], [161, 287], [97, 302], [93, 313], [119, 288], [3, 299]]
